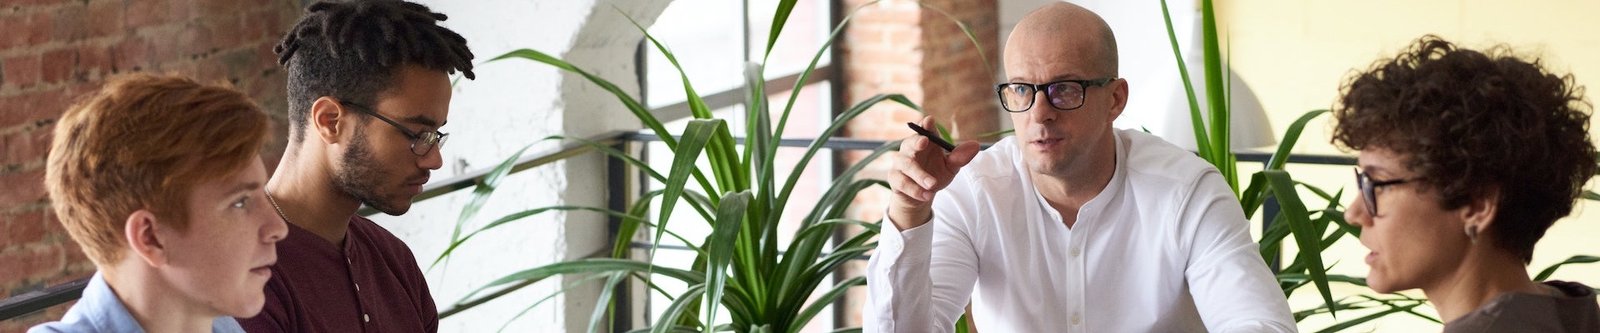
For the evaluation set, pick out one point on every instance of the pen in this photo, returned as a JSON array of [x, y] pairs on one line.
[[932, 137]]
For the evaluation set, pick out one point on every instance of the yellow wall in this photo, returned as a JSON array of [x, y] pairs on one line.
[[1294, 54]]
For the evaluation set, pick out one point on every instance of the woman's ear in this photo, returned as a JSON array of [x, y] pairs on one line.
[[1479, 212], [324, 119], [143, 241]]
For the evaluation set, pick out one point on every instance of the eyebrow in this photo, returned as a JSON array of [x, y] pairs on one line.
[[245, 187], [1056, 78], [424, 121]]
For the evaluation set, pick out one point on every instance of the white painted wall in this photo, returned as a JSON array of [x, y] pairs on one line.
[[513, 104]]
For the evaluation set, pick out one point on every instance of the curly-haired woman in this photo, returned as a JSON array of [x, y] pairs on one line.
[[1466, 158]]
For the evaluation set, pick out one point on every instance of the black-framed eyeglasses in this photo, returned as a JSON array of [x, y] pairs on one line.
[[1063, 95], [1370, 186], [421, 143]]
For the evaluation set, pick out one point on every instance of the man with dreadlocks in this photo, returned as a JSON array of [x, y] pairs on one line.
[[349, 64]]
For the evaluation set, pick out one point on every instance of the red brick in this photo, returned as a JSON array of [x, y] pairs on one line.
[[22, 228], [213, 8], [70, 22], [94, 60], [71, 273], [21, 31], [184, 44], [35, 262], [77, 262], [106, 18], [25, 147], [228, 32], [144, 13], [131, 54], [44, 107], [211, 70], [269, 60], [41, 28], [23, 188], [54, 232], [21, 71], [57, 65]]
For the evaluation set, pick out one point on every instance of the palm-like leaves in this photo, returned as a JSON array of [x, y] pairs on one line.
[[739, 269]]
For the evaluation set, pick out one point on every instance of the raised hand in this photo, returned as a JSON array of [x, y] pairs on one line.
[[920, 170]]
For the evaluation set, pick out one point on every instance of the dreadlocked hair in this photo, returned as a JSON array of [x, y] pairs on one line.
[[351, 50]]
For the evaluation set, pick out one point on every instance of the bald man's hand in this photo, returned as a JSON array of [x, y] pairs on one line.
[[920, 170]]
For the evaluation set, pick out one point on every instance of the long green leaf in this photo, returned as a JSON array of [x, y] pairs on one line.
[[480, 195], [721, 153], [1578, 259], [603, 305], [699, 132], [590, 265], [1283, 189], [613, 152], [547, 298], [755, 236], [822, 139], [1212, 60], [1358, 321], [633, 105], [778, 19], [823, 302], [685, 302], [1290, 137], [721, 245], [1202, 144], [486, 187], [536, 211]]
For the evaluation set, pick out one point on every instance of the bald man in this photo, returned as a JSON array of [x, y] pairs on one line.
[[1070, 225]]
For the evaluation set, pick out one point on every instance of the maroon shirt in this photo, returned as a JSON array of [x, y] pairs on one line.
[[315, 289]]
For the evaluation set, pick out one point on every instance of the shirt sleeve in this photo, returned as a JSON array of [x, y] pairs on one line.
[[921, 279], [1231, 285]]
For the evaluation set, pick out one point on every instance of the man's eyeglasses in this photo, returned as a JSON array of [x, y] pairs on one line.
[[421, 143], [1369, 186], [1063, 95]]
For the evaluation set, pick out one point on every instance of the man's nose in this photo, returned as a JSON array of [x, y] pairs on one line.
[[433, 160], [1042, 111]]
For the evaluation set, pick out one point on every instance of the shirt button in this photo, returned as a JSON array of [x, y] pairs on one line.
[[1076, 252], [358, 286], [365, 318], [1076, 319]]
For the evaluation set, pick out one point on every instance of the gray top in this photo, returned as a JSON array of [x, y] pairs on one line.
[[1575, 311]]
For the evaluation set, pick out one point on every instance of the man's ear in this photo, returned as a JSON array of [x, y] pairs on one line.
[[1119, 97], [1479, 212], [143, 242], [324, 119]]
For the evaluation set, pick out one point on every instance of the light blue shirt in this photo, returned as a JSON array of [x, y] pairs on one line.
[[99, 310]]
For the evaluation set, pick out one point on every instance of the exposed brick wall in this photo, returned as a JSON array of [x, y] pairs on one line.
[[898, 46], [52, 51]]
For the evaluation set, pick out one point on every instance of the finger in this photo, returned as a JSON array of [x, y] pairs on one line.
[[962, 155], [907, 189], [916, 170]]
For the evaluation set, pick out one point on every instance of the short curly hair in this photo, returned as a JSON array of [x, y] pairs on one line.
[[1470, 122]]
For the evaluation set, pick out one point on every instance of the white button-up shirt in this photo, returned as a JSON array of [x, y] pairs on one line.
[[1163, 248]]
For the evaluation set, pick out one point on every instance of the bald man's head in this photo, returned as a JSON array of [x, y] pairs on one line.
[[1066, 25]]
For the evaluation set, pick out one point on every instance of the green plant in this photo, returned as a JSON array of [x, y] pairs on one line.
[[739, 269], [1311, 231]]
